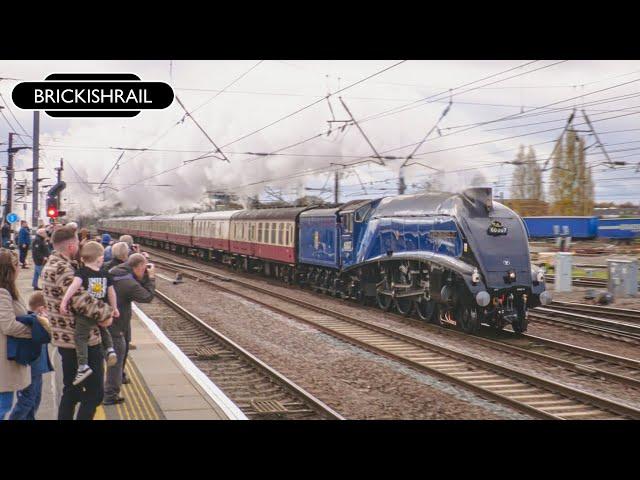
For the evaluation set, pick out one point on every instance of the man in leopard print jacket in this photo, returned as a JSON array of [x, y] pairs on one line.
[[57, 275]]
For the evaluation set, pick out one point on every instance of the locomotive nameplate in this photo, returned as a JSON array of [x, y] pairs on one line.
[[496, 228]]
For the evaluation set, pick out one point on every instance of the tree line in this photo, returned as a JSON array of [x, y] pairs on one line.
[[571, 188]]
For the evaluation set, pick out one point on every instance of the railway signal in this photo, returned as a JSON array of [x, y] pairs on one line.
[[52, 207]]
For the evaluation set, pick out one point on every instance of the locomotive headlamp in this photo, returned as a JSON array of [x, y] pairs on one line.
[[475, 276], [483, 298], [512, 275]]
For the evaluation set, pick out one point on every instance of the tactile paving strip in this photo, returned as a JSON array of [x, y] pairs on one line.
[[139, 403]]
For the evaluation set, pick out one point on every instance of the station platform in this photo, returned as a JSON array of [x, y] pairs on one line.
[[165, 384]]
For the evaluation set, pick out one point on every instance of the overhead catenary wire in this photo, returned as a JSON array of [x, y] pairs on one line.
[[13, 115], [303, 154], [162, 135], [188, 114], [293, 113]]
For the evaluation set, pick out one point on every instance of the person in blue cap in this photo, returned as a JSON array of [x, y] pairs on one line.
[[106, 243]]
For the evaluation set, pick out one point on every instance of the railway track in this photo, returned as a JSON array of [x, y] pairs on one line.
[[257, 389], [607, 327], [582, 282], [623, 314], [538, 397]]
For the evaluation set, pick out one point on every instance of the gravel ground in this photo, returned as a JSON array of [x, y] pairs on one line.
[[577, 295], [356, 383], [615, 391], [619, 392]]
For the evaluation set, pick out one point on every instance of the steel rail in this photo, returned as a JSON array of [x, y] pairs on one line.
[[317, 404], [455, 366]]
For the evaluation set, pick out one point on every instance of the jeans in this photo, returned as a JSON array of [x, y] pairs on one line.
[[89, 393], [114, 374], [28, 400], [37, 269], [6, 400]]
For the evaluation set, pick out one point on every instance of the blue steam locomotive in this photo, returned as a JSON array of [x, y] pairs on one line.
[[454, 258]]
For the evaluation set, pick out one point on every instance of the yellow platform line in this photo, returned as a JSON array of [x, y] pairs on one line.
[[133, 397], [139, 404], [145, 400], [100, 413], [135, 407]]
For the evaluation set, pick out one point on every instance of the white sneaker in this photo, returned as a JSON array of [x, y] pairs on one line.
[[82, 374], [112, 358]]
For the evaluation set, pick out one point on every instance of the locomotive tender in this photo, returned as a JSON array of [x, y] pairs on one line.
[[455, 258]]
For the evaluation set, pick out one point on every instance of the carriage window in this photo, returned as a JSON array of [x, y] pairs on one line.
[[286, 241], [273, 233], [252, 230], [280, 230], [259, 232]]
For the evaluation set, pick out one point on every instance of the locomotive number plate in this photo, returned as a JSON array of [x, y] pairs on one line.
[[347, 246], [496, 228]]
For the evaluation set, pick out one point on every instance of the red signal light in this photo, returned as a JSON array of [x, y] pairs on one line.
[[52, 207]]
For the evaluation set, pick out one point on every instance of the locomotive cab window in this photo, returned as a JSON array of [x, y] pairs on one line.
[[347, 223], [361, 213]]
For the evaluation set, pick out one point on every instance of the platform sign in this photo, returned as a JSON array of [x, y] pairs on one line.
[[13, 218]]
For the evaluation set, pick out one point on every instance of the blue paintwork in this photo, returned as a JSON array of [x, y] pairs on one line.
[[579, 227], [320, 230], [406, 234], [620, 228]]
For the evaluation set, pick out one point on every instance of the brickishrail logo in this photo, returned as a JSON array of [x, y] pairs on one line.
[[92, 95]]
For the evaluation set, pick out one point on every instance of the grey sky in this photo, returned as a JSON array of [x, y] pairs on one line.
[[274, 89]]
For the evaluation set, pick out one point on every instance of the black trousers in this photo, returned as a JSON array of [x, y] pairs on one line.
[[89, 393], [127, 339], [24, 248]]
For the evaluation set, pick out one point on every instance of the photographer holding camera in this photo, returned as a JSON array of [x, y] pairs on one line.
[[134, 281]]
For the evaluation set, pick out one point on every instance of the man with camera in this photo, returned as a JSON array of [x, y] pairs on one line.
[[134, 281]]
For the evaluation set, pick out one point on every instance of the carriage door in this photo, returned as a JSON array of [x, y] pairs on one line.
[[346, 238]]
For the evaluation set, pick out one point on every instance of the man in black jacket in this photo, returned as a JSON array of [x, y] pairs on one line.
[[134, 281], [6, 234], [40, 253]]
